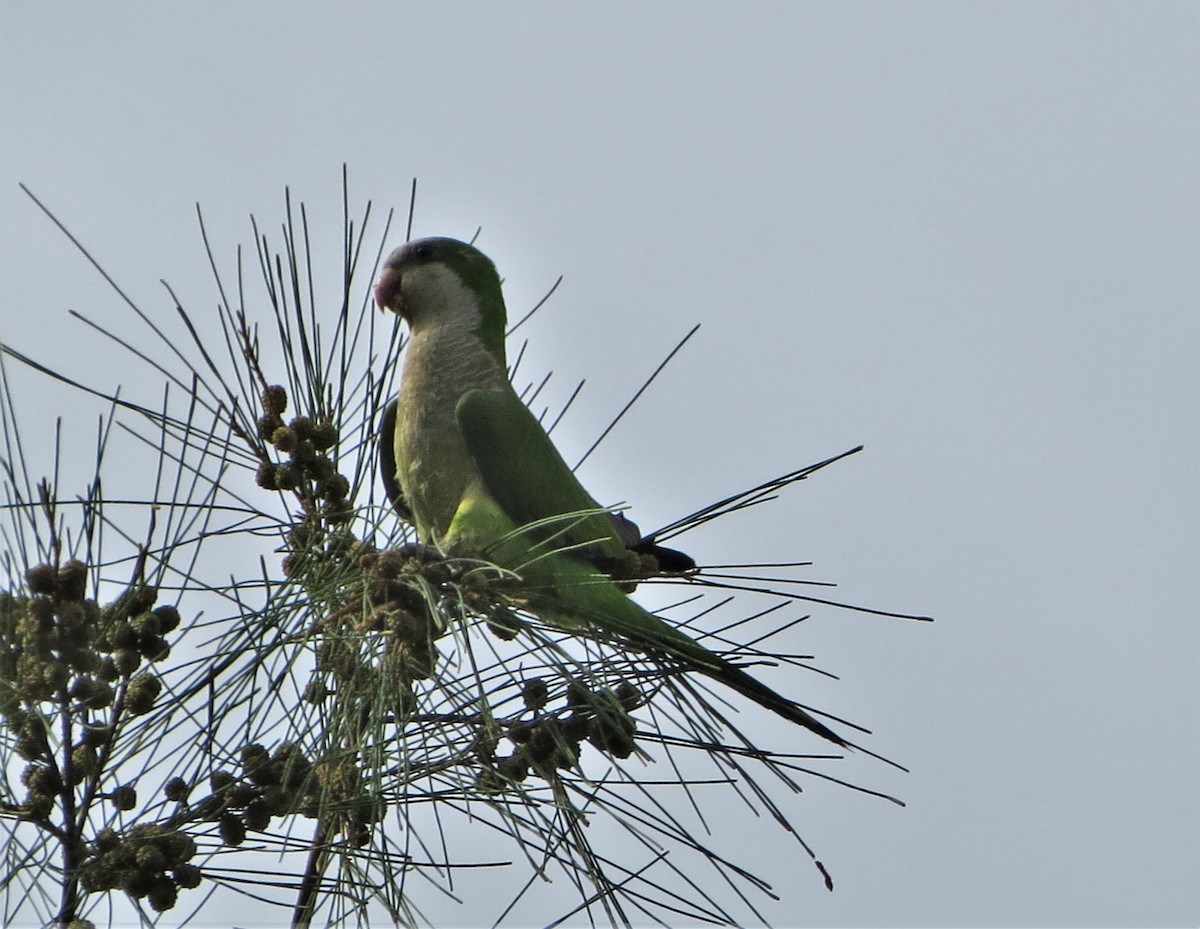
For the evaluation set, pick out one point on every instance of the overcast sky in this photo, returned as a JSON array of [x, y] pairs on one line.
[[964, 235]]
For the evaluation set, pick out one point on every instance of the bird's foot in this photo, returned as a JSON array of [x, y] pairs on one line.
[[420, 552]]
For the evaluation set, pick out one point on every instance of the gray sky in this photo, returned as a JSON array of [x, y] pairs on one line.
[[964, 235]]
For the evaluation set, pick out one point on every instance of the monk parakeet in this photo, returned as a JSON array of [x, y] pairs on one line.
[[472, 468]]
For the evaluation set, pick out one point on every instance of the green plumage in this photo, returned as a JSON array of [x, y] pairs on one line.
[[467, 462]]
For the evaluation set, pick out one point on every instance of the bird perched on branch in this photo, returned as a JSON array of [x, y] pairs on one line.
[[472, 468]]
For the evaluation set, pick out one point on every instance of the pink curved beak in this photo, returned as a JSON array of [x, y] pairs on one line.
[[387, 288]]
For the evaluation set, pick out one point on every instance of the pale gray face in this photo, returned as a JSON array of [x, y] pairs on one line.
[[422, 274], [402, 261]]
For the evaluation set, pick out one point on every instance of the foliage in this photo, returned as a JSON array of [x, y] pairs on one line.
[[275, 672]]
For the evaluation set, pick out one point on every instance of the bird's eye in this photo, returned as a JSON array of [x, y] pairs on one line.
[[423, 251]]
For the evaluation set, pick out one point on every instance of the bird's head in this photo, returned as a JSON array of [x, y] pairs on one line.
[[443, 282]]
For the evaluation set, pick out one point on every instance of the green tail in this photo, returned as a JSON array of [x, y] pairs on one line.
[[575, 592]]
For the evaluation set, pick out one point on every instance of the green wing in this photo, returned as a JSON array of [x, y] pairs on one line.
[[528, 480], [527, 477]]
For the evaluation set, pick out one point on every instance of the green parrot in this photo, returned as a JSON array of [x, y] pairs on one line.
[[471, 467]]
